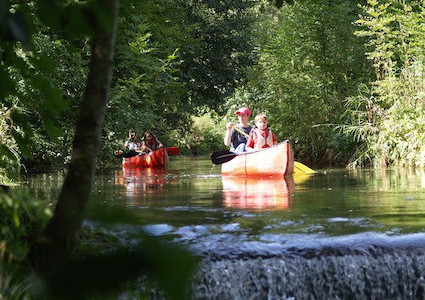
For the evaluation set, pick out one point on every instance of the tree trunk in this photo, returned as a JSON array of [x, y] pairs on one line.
[[61, 234]]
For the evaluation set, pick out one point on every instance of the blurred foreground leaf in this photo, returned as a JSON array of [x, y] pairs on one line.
[[169, 266]]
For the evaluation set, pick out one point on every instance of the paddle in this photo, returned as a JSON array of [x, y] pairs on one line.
[[222, 156], [303, 168], [131, 153], [125, 154]]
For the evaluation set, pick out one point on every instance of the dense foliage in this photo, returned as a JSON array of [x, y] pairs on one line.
[[309, 62], [343, 80], [333, 84], [387, 117]]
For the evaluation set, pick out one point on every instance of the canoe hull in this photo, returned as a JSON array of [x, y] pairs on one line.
[[274, 161], [155, 159]]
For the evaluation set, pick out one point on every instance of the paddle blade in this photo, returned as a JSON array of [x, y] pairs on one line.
[[301, 168], [173, 150], [220, 157], [125, 154]]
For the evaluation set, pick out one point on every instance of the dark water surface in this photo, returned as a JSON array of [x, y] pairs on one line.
[[337, 234]]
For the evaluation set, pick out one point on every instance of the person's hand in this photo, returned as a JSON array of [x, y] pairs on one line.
[[230, 125]]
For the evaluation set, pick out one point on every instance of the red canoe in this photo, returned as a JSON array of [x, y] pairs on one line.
[[173, 151], [155, 159], [274, 161]]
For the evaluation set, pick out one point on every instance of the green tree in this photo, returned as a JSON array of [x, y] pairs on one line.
[[30, 102], [309, 62], [51, 252], [388, 118], [174, 59]]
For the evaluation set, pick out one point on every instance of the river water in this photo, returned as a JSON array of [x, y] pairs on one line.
[[337, 234]]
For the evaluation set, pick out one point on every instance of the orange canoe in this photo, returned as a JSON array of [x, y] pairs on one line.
[[276, 161], [155, 159]]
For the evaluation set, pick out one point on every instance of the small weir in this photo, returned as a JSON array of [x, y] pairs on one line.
[[384, 269]]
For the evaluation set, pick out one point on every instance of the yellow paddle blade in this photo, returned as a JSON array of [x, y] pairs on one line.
[[301, 168]]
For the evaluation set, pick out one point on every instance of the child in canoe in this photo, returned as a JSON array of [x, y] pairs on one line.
[[261, 136]]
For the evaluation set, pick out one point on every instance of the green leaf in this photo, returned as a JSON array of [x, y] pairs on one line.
[[49, 13], [43, 63], [52, 130], [105, 273], [7, 152], [21, 119], [102, 14], [78, 21], [18, 28], [22, 143], [53, 101], [7, 85]]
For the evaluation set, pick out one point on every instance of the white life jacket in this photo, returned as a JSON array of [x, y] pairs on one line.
[[260, 141], [130, 145]]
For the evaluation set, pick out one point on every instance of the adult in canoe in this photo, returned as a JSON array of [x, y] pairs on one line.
[[132, 146], [150, 142], [234, 136], [134, 142]]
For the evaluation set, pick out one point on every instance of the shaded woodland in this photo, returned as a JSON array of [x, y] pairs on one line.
[[342, 80]]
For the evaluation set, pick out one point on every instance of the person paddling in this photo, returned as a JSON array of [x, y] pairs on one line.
[[133, 142], [132, 145], [235, 139]]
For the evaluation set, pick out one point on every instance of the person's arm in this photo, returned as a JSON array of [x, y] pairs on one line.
[[227, 137], [145, 148], [274, 139], [250, 143], [160, 145]]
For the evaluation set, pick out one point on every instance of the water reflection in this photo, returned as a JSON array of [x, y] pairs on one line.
[[401, 179], [255, 193], [141, 180]]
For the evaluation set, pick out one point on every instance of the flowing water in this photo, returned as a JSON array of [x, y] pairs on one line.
[[337, 234]]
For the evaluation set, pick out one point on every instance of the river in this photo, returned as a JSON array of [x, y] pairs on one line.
[[337, 234]]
